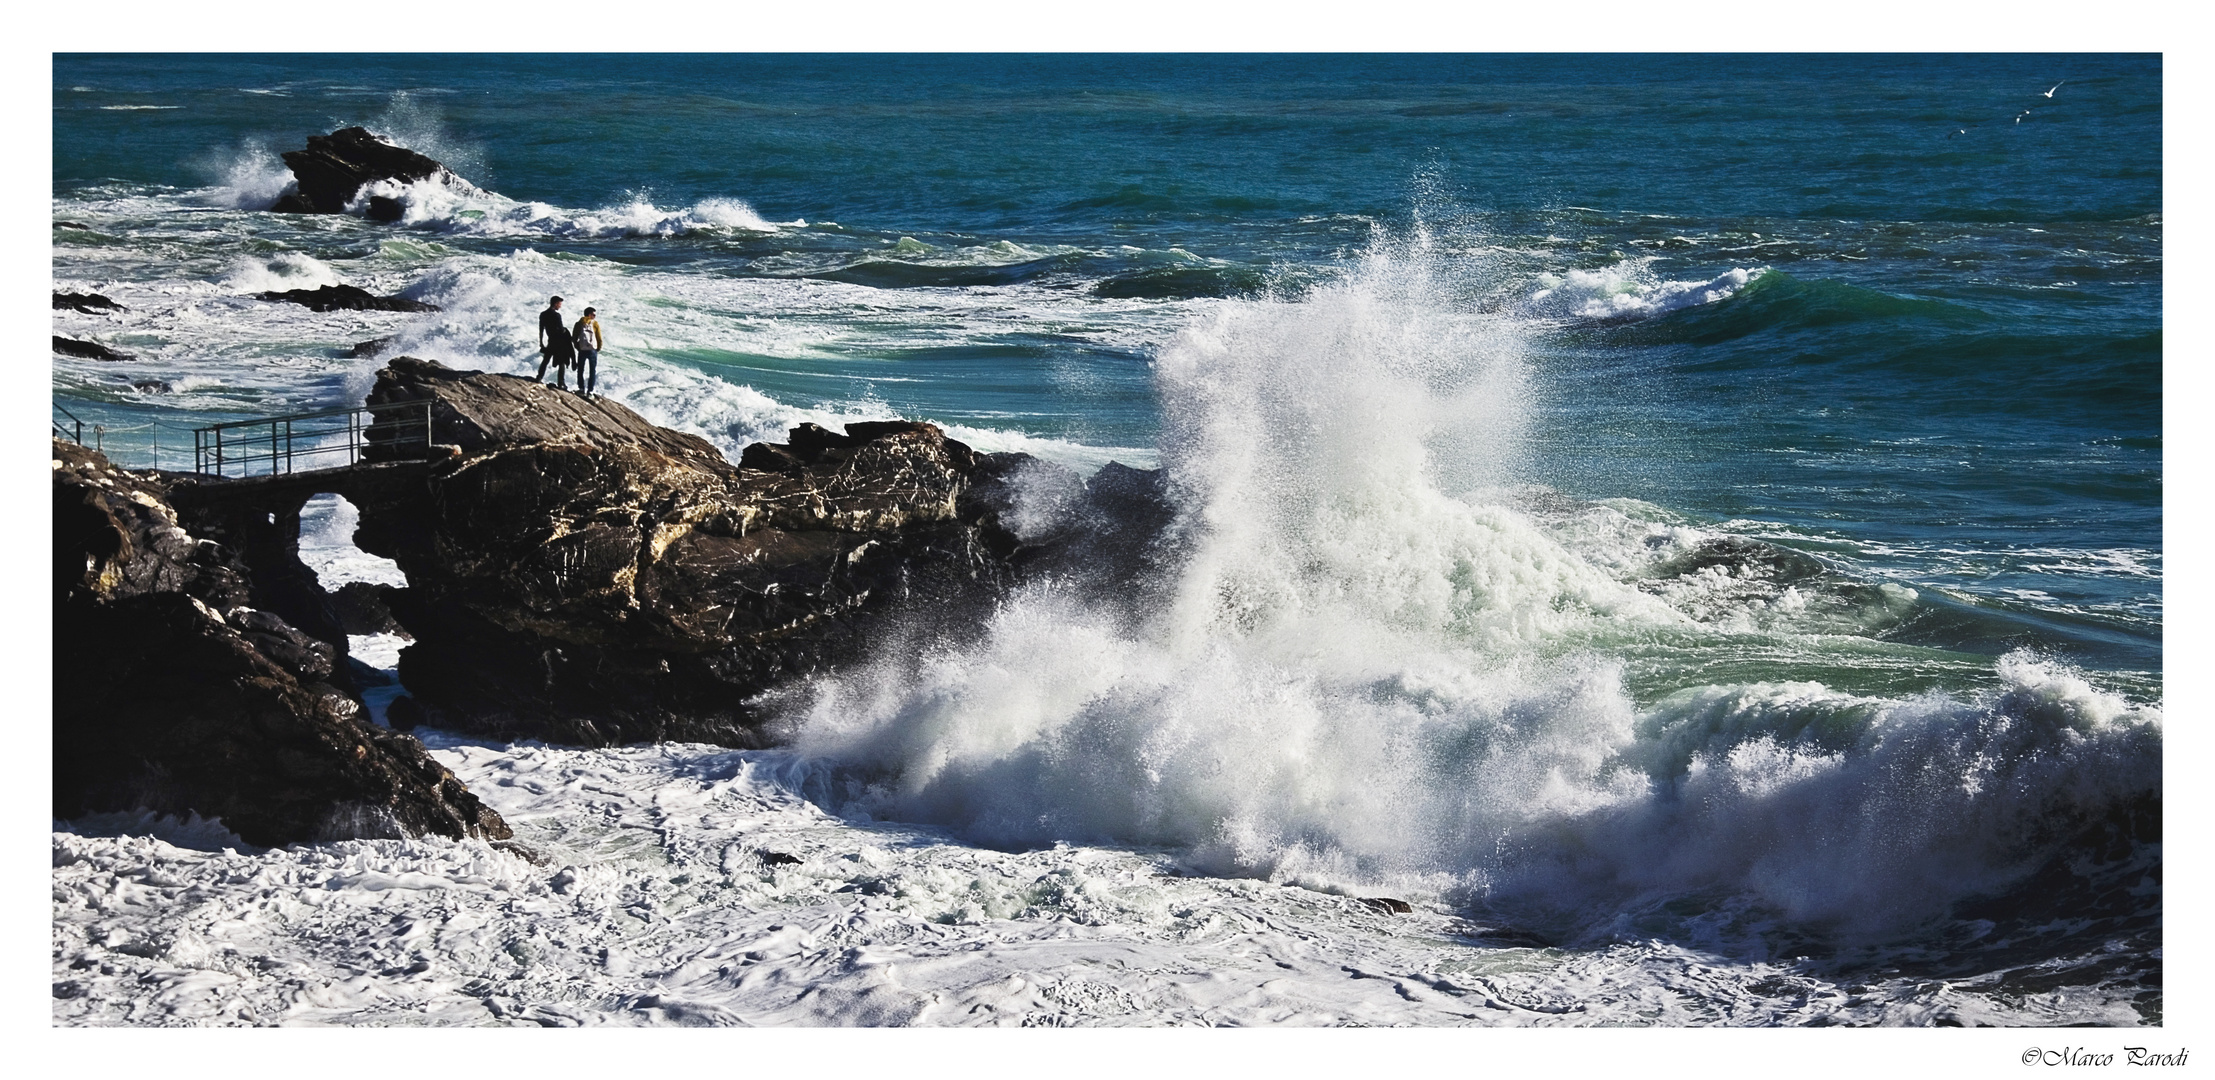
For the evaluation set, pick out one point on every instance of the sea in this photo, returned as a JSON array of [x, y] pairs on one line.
[[1668, 540]]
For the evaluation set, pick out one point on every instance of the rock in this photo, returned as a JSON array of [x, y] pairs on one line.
[[335, 167], [151, 386], [88, 303], [164, 703], [87, 349], [403, 714], [1386, 905], [302, 657], [366, 349], [364, 608], [343, 298], [578, 575]]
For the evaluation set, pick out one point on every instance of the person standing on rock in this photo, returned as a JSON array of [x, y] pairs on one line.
[[554, 345], [587, 337]]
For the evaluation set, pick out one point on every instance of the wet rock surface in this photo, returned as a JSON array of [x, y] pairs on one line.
[[174, 692], [335, 167], [88, 350], [580, 575], [85, 303], [344, 298]]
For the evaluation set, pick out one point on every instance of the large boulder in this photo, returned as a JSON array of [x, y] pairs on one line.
[[335, 167], [580, 575], [173, 692]]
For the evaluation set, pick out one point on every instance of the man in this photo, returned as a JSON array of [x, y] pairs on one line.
[[587, 338], [553, 344]]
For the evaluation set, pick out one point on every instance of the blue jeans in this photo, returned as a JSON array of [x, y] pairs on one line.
[[588, 368]]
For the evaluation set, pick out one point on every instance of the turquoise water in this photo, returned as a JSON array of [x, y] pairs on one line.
[[1851, 364]]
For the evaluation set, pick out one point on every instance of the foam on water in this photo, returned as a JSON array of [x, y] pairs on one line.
[[1627, 290], [689, 885]]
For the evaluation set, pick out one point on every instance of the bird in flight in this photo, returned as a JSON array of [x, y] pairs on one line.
[[2056, 86]]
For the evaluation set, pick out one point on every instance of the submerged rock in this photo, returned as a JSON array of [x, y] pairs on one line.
[[344, 298], [174, 692], [335, 167]]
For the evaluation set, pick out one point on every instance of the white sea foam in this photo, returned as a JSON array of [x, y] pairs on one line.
[[1358, 677], [688, 885], [327, 525], [1627, 290]]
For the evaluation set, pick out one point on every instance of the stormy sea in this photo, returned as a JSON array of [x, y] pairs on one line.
[[1664, 540]]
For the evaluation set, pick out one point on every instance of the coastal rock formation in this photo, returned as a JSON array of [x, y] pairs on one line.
[[335, 167], [89, 350], [343, 298], [580, 575], [85, 303], [175, 692]]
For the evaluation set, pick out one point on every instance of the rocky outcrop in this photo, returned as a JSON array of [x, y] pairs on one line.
[[174, 691], [84, 303], [580, 575], [344, 298], [89, 350], [335, 167]]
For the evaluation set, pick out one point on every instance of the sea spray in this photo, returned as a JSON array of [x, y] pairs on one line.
[[1357, 679]]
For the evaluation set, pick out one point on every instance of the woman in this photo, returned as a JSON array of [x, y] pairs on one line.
[[587, 338]]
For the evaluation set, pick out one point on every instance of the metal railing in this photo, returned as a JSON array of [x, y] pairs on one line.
[[75, 430], [333, 438]]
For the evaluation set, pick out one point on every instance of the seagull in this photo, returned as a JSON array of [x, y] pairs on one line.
[[2019, 116], [2056, 86], [1963, 131]]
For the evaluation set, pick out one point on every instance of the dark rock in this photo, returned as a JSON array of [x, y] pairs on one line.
[[260, 525], [87, 349], [365, 349], [778, 858], [72, 225], [578, 575], [302, 657], [334, 168], [343, 298], [151, 386], [384, 208], [162, 703], [523, 851], [1386, 905], [1744, 558], [364, 608], [403, 714], [88, 303]]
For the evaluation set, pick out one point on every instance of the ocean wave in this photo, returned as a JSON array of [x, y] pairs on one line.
[[278, 273], [1627, 290], [1365, 672]]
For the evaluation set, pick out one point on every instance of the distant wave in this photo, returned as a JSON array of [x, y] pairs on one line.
[[1628, 290]]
